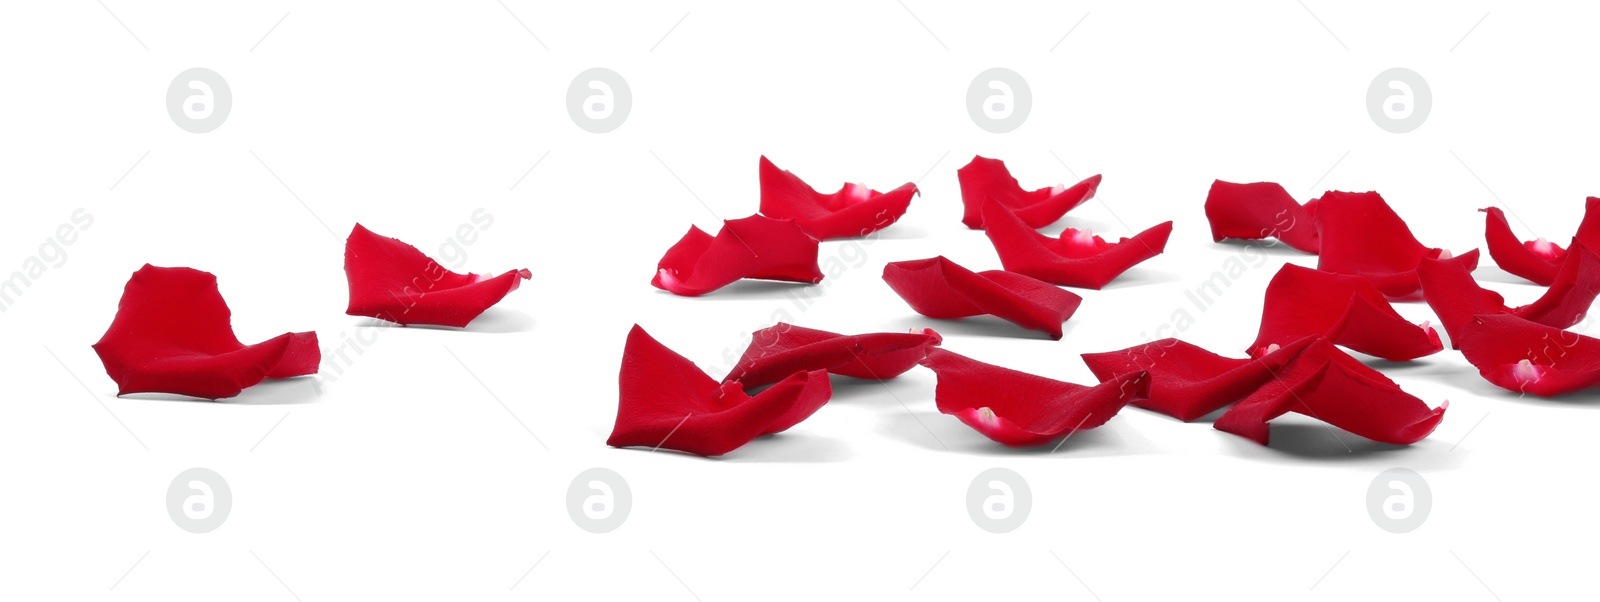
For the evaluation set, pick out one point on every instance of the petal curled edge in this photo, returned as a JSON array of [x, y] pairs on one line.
[[1347, 310], [752, 247], [1536, 260], [939, 288], [1261, 210], [173, 333], [667, 402], [778, 351], [1452, 293], [391, 280], [984, 180], [1362, 236], [854, 210], [1527, 357], [1077, 258], [1188, 382], [1019, 409]]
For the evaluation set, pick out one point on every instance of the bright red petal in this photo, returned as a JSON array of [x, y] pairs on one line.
[[1362, 236], [1452, 293], [1527, 357], [1076, 258], [1020, 409], [778, 351], [983, 180], [753, 247], [938, 288], [1347, 310], [391, 280], [173, 334], [667, 402], [1260, 210], [1187, 382], [1535, 260], [854, 210]]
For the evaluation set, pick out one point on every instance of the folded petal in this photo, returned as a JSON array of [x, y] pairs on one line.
[[1077, 258], [984, 180], [1326, 384], [778, 351], [1020, 409], [1347, 310], [1452, 293], [1362, 236], [391, 280], [753, 247], [667, 402], [941, 289], [1535, 260], [1261, 210], [1188, 382], [855, 210], [1527, 357], [173, 333]]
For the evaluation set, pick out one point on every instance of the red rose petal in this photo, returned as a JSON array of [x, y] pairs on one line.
[[1523, 356], [1452, 293], [1347, 310], [1020, 409], [391, 280], [940, 289], [1362, 236], [173, 334], [1187, 382], [753, 247], [853, 211], [1535, 260], [1261, 210], [983, 180], [1077, 258], [667, 402], [778, 351], [1326, 384]]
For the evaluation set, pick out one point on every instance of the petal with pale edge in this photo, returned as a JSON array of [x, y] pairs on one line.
[[778, 351], [1362, 236], [1347, 310], [1261, 210], [1527, 357], [1020, 409], [855, 210], [391, 280], [941, 289], [1452, 293], [1077, 258], [753, 247], [987, 180]]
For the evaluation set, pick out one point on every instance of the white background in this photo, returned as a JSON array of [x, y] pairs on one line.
[[405, 478]]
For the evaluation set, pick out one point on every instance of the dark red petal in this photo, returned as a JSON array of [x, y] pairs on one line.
[[1347, 310], [938, 288], [854, 210], [983, 180], [1076, 258], [1362, 236], [778, 351], [752, 247], [391, 280], [1187, 382], [173, 334], [1452, 293], [1520, 355], [665, 401], [1020, 409], [1260, 210], [1535, 260], [1326, 384]]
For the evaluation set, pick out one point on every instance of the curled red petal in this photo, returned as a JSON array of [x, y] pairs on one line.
[[1260, 210], [778, 351], [1362, 236], [173, 334], [753, 247], [1527, 357], [1452, 293], [941, 289], [1347, 310], [667, 402], [1077, 258], [1535, 260], [984, 180], [1186, 381], [391, 280], [1020, 409], [855, 210], [1326, 384]]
